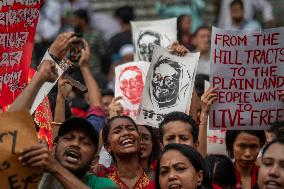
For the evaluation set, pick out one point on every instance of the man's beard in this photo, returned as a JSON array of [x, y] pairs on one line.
[[79, 172]]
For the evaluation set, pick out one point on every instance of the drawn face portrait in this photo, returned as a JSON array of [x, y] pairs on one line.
[[131, 84], [146, 43], [165, 82]]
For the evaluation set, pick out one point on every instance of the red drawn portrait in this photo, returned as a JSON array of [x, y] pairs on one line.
[[131, 84]]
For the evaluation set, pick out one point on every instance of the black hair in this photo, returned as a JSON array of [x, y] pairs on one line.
[[82, 14], [231, 136], [125, 13], [107, 92], [179, 21], [237, 2], [277, 128], [152, 33], [199, 83], [222, 170], [106, 128], [201, 28], [155, 148], [279, 140], [195, 159], [179, 116]]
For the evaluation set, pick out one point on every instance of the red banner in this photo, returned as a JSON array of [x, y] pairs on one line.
[[18, 21]]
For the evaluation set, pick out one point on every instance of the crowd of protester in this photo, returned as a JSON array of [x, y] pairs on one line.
[[96, 146]]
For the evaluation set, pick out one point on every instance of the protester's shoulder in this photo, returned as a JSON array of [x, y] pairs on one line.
[[99, 182]]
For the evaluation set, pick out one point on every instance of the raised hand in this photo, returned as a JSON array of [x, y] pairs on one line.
[[47, 71], [64, 88], [207, 100], [115, 107], [85, 55], [178, 49], [61, 45]]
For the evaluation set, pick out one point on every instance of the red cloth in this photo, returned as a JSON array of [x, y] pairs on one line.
[[142, 182], [78, 112], [254, 174], [151, 185]]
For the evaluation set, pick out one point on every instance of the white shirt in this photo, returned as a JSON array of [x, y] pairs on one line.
[[250, 7], [49, 22]]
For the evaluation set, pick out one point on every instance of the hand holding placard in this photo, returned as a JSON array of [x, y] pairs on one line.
[[17, 132]]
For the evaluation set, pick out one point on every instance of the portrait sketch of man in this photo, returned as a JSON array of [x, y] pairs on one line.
[[165, 82], [168, 86], [131, 84], [145, 44], [146, 34]]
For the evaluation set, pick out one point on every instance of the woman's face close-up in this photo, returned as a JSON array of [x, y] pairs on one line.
[[176, 172], [245, 150], [145, 142], [123, 137]]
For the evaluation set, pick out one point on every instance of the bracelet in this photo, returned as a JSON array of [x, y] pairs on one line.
[[56, 59], [56, 123]]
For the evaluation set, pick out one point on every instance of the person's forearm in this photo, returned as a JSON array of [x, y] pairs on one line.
[[202, 134], [67, 179], [59, 115], [25, 100], [93, 87]]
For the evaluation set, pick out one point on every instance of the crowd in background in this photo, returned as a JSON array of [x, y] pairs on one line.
[[95, 146]]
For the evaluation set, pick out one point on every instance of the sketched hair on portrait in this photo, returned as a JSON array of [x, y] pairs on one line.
[[165, 85], [145, 45]]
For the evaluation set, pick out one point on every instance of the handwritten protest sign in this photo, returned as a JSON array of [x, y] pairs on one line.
[[169, 85], [17, 131], [129, 83], [248, 68], [147, 33], [18, 21]]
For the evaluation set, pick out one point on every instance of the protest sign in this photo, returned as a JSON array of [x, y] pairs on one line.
[[169, 85], [147, 33], [129, 83], [47, 86], [18, 21], [248, 68], [17, 132]]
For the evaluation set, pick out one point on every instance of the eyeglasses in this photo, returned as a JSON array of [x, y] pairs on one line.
[[145, 138]]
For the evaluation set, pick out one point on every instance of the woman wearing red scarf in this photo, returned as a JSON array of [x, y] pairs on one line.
[[244, 147]]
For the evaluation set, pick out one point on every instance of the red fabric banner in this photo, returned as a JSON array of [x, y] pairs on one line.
[[18, 21]]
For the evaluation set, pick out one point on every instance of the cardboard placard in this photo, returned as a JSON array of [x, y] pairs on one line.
[[248, 68], [17, 131]]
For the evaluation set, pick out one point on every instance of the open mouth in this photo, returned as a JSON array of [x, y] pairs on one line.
[[175, 186], [272, 184], [127, 142], [72, 156]]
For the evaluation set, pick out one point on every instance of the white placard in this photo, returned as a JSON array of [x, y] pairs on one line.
[[147, 33], [129, 83], [169, 85]]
